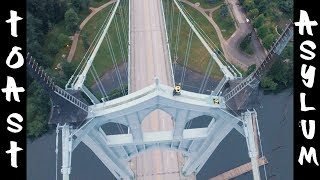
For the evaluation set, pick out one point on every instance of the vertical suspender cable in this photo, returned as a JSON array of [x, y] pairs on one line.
[[115, 65], [186, 58], [120, 43], [177, 43]]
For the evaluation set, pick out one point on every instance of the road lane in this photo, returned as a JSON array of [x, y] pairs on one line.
[[148, 60]]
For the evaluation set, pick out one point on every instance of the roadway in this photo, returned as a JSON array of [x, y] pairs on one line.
[[149, 59]]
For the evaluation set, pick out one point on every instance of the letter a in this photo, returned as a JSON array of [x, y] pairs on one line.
[[12, 88], [304, 21]]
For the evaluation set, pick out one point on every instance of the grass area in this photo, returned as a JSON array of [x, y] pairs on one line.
[[224, 20], [97, 3], [207, 5], [103, 59], [199, 56], [245, 45], [91, 29]]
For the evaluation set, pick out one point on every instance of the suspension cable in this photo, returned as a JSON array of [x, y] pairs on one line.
[[218, 52], [100, 82], [206, 76], [186, 58], [120, 43], [171, 20], [95, 79], [125, 34], [115, 65], [90, 49], [177, 43]]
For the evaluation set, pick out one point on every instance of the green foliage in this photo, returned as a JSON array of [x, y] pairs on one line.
[[53, 48], [251, 69], [282, 73], [68, 68], [286, 6], [38, 109], [248, 4], [76, 5], [253, 13], [224, 20], [62, 40], [268, 41], [263, 31], [258, 22], [268, 84], [245, 45], [266, 15], [85, 40], [224, 11], [71, 20]]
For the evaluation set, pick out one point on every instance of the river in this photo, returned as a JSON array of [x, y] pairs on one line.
[[275, 116]]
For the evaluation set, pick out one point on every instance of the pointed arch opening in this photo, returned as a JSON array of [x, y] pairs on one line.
[[199, 122], [157, 120], [112, 128]]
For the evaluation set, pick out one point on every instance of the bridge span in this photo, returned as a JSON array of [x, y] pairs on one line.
[[149, 58], [156, 120]]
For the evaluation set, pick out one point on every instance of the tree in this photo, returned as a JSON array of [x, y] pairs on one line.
[[37, 110], [72, 20], [262, 5], [251, 68], [253, 13], [68, 68], [85, 40], [268, 84], [286, 6], [268, 41], [76, 4], [263, 31], [53, 48], [248, 4], [85, 4], [224, 11], [258, 22], [62, 40]]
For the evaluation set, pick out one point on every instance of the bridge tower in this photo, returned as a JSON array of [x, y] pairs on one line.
[[82, 122]]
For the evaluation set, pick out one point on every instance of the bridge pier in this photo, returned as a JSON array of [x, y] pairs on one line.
[[135, 126], [180, 123], [97, 142], [66, 152], [250, 118], [217, 132]]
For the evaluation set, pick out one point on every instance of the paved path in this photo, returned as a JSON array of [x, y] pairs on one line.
[[243, 29], [230, 46], [75, 37]]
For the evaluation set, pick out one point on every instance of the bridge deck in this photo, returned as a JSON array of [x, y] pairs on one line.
[[149, 59]]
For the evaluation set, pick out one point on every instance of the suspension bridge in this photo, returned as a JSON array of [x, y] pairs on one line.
[[156, 139]]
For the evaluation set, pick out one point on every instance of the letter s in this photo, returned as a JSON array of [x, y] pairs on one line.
[[17, 127]]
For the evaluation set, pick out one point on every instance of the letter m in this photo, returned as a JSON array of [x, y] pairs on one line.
[[308, 155]]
